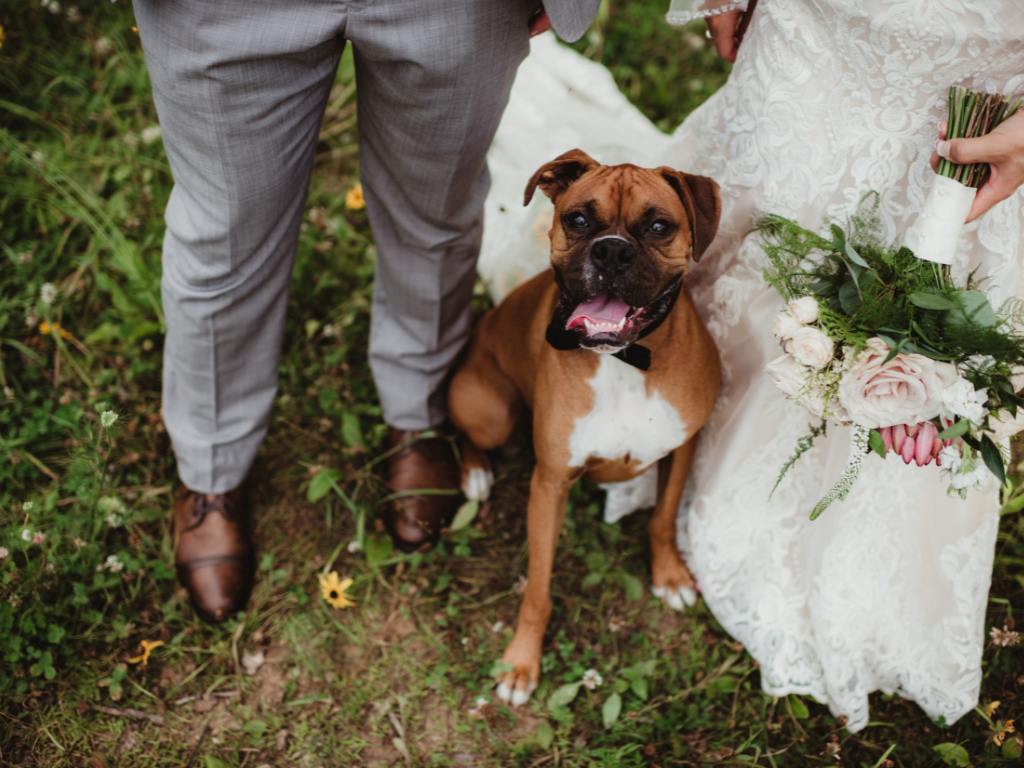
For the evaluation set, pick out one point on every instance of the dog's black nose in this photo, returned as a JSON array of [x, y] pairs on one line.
[[611, 255]]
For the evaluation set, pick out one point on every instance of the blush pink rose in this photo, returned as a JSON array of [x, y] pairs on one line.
[[905, 390]]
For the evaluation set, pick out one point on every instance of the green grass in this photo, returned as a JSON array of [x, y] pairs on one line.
[[395, 680]]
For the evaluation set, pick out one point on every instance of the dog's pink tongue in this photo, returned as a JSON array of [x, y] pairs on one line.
[[601, 308]]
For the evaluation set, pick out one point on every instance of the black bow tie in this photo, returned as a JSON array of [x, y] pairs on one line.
[[637, 355]]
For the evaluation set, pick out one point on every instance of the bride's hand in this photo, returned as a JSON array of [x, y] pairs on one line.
[[722, 28], [1002, 149]]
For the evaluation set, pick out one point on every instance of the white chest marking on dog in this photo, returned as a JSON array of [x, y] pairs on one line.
[[625, 419]]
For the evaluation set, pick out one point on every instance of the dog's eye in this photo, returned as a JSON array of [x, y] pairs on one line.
[[660, 227], [577, 220]]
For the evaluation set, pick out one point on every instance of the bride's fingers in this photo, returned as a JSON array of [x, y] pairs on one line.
[[723, 30], [934, 160], [993, 191]]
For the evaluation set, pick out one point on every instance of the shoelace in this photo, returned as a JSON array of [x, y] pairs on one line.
[[202, 505]]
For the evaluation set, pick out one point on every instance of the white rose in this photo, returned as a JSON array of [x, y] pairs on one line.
[[804, 309], [792, 379], [785, 326], [811, 347], [962, 399], [905, 390]]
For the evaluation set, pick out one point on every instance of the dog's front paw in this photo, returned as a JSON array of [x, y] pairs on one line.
[[672, 583], [519, 681]]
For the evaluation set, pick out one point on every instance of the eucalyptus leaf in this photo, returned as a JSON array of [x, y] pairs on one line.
[[955, 430], [849, 297], [856, 258], [935, 301], [973, 309]]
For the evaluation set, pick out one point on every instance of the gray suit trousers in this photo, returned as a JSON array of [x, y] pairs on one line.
[[240, 88]]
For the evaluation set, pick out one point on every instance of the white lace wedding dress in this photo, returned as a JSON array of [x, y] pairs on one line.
[[829, 99]]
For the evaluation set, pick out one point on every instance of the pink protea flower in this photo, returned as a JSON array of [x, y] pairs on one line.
[[919, 443], [924, 450]]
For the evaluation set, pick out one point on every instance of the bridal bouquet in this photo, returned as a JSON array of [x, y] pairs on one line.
[[879, 337]]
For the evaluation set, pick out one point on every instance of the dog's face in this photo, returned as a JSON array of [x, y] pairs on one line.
[[621, 240]]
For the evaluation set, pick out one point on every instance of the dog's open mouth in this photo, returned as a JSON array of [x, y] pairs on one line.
[[606, 320]]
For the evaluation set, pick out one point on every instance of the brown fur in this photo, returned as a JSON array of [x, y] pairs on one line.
[[511, 369]]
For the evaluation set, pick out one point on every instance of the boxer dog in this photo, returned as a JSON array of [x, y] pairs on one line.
[[565, 346]]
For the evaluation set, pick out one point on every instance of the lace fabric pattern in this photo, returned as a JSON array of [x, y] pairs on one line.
[[831, 99]]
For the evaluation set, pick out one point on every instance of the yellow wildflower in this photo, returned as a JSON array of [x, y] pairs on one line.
[[990, 708], [55, 329], [1001, 731], [334, 590], [354, 199], [1, 35], [148, 646]]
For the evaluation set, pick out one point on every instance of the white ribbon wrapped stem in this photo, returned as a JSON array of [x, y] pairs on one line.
[[935, 235]]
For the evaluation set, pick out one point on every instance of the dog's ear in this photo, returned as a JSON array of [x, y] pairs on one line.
[[555, 177], [703, 204]]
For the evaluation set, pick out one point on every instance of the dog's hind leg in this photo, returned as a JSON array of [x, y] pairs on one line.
[[671, 580], [483, 404]]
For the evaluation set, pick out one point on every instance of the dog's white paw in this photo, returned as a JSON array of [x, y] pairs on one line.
[[514, 696], [676, 598], [477, 484]]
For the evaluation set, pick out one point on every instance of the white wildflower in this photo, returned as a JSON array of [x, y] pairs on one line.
[[592, 680], [26, 534], [4, 552], [804, 310], [1005, 637], [103, 46], [354, 546], [150, 134], [27, 507], [108, 419], [113, 509], [476, 711], [112, 563], [48, 293]]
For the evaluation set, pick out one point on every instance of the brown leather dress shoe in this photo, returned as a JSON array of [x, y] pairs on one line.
[[213, 554], [420, 463]]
